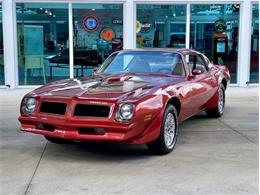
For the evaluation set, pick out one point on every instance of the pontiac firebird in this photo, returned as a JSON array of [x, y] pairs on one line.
[[135, 96]]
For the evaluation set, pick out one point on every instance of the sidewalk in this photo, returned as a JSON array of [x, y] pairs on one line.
[[212, 156]]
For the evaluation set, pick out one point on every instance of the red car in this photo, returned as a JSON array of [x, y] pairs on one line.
[[136, 96]]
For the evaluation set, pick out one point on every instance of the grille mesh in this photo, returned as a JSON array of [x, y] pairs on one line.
[[91, 110], [53, 107]]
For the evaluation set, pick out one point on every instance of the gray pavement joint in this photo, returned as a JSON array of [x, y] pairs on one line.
[[230, 127], [36, 168]]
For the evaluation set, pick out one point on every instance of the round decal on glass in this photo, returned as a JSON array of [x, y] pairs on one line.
[[145, 26], [220, 26], [107, 34], [90, 23], [138, 26]]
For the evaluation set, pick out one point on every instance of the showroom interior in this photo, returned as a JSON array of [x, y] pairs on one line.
[[43, 41]]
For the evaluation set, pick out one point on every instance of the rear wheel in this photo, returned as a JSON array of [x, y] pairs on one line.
[[168, 133], [219, 109], [57, 140]]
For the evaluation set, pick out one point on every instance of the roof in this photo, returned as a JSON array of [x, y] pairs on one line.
[[183, 51]]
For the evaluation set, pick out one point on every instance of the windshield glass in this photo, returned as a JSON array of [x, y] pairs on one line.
[[154, 62]]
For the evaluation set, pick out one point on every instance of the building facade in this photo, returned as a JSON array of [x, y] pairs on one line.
[[43, 40]]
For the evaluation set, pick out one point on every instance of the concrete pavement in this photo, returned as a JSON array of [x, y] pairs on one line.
[[212, 156]]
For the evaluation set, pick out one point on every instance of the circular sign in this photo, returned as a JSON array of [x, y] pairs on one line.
[[145, 26], [220, 26], [107, 34], [138, 26], [90, 23]]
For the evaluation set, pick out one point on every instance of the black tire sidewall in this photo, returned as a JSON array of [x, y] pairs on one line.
[[224, 99], [169, 109]]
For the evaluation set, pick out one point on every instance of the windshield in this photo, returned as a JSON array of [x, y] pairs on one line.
[[154, 62]]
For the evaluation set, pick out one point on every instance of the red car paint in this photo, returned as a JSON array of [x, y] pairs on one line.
[[149, 93]]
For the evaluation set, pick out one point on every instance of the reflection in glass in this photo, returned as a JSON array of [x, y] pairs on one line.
[[42, 36], [254, 63], [2, 71], [214, 32], [160, 26], [98, 31]]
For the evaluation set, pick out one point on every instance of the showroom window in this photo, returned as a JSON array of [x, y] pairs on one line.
[[254, 63], [2, 71], [214, 32], [160, 26], [42, 40], [97, 32]]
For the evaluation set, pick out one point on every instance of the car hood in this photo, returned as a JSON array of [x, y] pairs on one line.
[[101, 86]]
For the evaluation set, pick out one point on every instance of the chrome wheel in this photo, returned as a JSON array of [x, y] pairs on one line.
[[167, 139], [169, 130], [221, 100]]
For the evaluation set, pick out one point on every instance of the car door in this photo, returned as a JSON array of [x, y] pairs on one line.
[[206, 78], [199, 83], [190, 91]]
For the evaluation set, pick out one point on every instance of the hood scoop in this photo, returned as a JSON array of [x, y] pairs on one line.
[[111, 80]]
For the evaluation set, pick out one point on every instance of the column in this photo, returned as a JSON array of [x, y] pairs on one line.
[[129, 23], [9, 37], [244, 43]]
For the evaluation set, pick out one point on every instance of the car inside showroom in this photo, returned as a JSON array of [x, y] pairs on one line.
[[129, 97]]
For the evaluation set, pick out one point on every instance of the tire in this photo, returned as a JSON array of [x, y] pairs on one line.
[[162, 145], [57, 140], [219, 109]]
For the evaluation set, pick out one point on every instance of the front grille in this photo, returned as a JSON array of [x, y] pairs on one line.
[[53, 107], [91, 110]]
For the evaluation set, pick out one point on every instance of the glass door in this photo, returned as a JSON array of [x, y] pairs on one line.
[[214, 32], [42, 40], [160, 26], [254, 62], [97, 32]]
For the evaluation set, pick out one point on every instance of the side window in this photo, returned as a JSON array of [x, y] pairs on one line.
[[190, 60], [179, 68], [200, 64]]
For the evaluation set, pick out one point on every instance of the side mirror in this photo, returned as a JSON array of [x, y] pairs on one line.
[[196, 72], [94, 71]]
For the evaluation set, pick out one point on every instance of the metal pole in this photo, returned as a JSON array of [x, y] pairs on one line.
[[71, 51]]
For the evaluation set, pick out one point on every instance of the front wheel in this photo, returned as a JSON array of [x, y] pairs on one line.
[[168, 133], [219, 109]]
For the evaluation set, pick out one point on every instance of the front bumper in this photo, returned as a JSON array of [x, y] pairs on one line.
[[70, 128]]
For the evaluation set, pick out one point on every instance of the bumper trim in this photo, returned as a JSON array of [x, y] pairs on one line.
[[74, 135]]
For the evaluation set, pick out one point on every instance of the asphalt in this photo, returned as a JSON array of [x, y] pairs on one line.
[[212, 156]]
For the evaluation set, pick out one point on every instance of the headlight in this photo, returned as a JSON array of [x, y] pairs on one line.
[[125, 112], [28, 105]]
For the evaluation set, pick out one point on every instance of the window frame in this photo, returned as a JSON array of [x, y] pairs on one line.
[[194, 63], [183, 65], [204, 62]]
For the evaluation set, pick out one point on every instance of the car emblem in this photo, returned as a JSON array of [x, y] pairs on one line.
[[70, 108]]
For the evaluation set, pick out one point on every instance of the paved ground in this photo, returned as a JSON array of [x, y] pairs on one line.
[[212, 156]]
